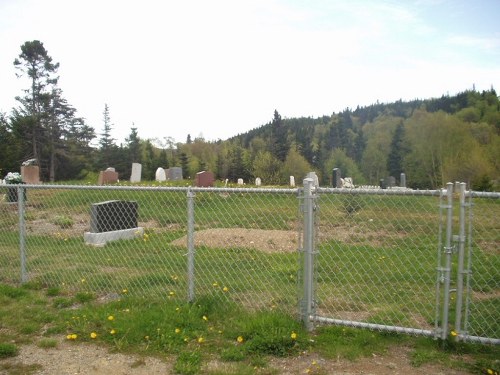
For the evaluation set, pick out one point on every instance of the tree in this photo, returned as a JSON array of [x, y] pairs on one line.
[[397, 152], [295, 165], [279, 144], [35, 63], [106, 142], [134, 145]]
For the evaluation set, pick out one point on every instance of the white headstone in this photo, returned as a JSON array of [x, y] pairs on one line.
[[292, 181], [240, 181], [314, 177], [135, 176], [258, 181], [348, 183], [160, 175], [226, 181]]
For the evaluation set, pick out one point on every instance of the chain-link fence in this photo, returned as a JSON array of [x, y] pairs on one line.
[[368, 258]]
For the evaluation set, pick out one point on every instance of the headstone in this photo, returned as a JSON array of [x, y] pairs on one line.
[[258, 181], [204, 179], [336, 177], [314, 177], [30, 174], [135, 176], [174, 174], [390, 181], [240, 181], [225, 182], [160, 175], [112, 220], [292, 181], [382, 184], [402, 180], [109, 176]]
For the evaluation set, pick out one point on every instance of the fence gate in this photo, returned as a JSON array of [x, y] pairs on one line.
[[389, 259]]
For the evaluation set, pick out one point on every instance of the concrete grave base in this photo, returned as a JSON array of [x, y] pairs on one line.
[[100, 239]]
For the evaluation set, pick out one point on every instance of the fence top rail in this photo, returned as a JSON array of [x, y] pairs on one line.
[[363, 191], [161, 188], [483, 194]]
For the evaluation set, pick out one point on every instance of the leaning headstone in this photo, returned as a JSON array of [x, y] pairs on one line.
[[292, 181], [135, 176], [109, 176], [336, 177], [314, 177], [258, 181], [111, 221], [30, 174], [204, 179], [240, 181], [160, 175], [174, 174], [402, 180]]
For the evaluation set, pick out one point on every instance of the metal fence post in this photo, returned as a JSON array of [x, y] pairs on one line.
[[190, 243], [308, 251], [21, 191], [461, 257], [448, 250]]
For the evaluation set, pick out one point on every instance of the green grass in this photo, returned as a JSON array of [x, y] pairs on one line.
[[209, 329]]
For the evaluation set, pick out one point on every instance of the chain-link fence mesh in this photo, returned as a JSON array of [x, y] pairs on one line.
[[375, 252]]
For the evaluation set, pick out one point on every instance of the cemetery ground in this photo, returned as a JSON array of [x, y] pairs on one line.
[[65, 319]]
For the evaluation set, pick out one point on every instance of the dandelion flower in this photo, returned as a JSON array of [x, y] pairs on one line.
[[490, 371], [215, 284], [453, 333], [293, 336], [146, 337], [177, 309], [71, 336], [112, 332], [93, 335], [124, 291], [240, 339], [225, 289], [177, 330], [111, 317], [200, 340], [205, 318], [171, 294]]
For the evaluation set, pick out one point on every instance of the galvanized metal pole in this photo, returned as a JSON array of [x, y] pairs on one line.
[[439, 269], [461, 257], [308, 244], [448, 250], [190, 243], [22, 231]]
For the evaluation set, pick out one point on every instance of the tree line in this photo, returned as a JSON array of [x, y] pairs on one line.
[[433, 141]]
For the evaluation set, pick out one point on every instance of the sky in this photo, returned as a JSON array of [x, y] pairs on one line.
[[218, 68]]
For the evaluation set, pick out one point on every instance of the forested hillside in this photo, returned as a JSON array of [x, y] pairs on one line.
[[433, 141]]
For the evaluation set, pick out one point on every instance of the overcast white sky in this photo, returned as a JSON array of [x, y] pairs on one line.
[[218, 68]]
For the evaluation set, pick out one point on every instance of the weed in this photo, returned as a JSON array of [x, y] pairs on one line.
[[63, 221], [188, 363]]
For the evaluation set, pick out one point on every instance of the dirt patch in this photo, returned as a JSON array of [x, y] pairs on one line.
[[69, 358], [226, 238]]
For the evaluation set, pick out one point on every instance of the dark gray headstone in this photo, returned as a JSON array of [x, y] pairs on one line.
[[113, 215], [382, 184], [402, 180], [336, 178], [174, 174]]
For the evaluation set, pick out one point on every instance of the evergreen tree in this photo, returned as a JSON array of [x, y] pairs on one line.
[[184, 160], [35, 63], [106, 142], [134, 145], [396, 153], [279, 138]]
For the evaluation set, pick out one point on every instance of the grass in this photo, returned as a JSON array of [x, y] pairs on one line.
[[206, 330]]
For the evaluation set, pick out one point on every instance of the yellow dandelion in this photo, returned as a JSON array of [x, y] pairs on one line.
[[111, 317], [82, 280], [177, 330], [93, 335], [205, 318], [453, 333], [124, 291], [177, 309], [490, 371], [74, 336], [146, 337], [225, 289], [201, 340], [240, 339], [174, 277], [186, 339], [293, 336], [112, 332], [171, 294], [215, 284]]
